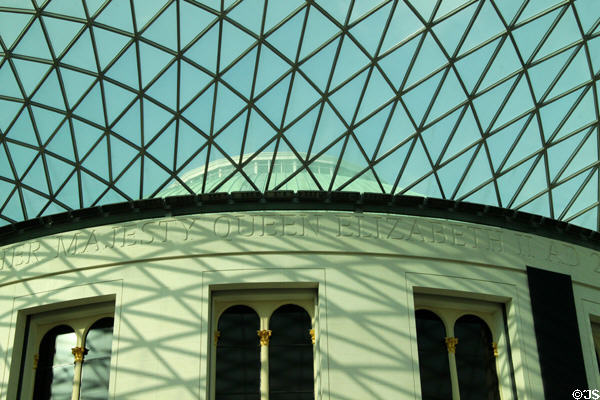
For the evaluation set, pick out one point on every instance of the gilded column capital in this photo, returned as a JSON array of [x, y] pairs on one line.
[[451, 343], [264, 336], [36, 360], [312, 335], [78, 352], [217, 336], [495, 347]]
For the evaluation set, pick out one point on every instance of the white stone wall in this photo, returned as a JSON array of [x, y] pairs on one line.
[[366, 266]]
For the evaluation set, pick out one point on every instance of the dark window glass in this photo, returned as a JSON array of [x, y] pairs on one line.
[[55, 369], [433, 357], [96, 364], [290, 355], [238, 355], [475, 360]]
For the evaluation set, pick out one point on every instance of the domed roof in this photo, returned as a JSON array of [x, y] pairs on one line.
[[487, 101]]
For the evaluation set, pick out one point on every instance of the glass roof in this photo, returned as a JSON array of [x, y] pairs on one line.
[[492, 102]]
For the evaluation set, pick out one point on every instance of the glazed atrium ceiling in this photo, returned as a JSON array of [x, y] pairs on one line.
[[483, 101]]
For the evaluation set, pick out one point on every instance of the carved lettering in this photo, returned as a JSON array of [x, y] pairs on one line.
[[148, 231], [92, 240], [187, 227], [392, 233], [222, 227], [67, 251], [344, 222], [415, 232]]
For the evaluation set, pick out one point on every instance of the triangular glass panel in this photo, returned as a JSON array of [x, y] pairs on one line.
[[287, 36], [318, 30], [237, 43], [204, 51], [563, 34], [450, 174], [228, 104], [9, 111], [200, 111], [577, 73], [559, 153], [121, 154], [345, 100], [46, 121], [155, 118], [34, 203], [370, 131], [188, 142], [249, 13], [588, 220], [465, 136], [129, 182], [594, 49], [486, 26], [61, 32], [361, 8], [478, 173], [399, 129], [563, 193], [112, 44], [300, 133], [509, 10], [509, 182], [500, 142], [353, 163], [318, 67], [110, 197], [22, 130], [12, 24], [193, 20], [116, 99], [118, 15], [8, 82], [529, 143], [587, 13], [36, 177], [505, 63], [429, 59], [585, 157], [404, 24], [534, 29], [583, 114], [129, 125], [66, 7], [69, 194], [13, 209], [449, 7], [161, 31], [238, 75], [145, 10], [125, 68], [587, 197], [535, 7], [278, 10], [173, 187], [450, 95], [22, 157], [451, 30], [193, 173], [91, 189], [152, 62], [164, 89], [323, 166], [493, 96], [49, 92], [85, 137], [485, 195], [418, 99], [231, 138], [162, 148], [33, 43], [260, 135], [195, 80], [539, 206], [338, 10], [273, 102], [58, 171], [395, 64], [5, 188], [62, 143], [270, 68], [81, 54], [350, 60], [387, 169], [437, 135], [368, 31], [30, 73], [377, 93], [471, 66], [91, 105], [540, 74], [329, 130], [427, 187], [76, 84], [52, 208], [519, 103], [93, 6], [424, 8], [418, 166], [301, 97], [97, 161], [551, 114], [284, 165]]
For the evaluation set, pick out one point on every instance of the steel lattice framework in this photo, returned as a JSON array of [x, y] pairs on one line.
[[493, 102]]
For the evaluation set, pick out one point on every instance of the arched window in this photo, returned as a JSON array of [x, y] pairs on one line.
[[290, 354], [475, 360], [238, 355], [433, 357], [55, 370], [96, 367]]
